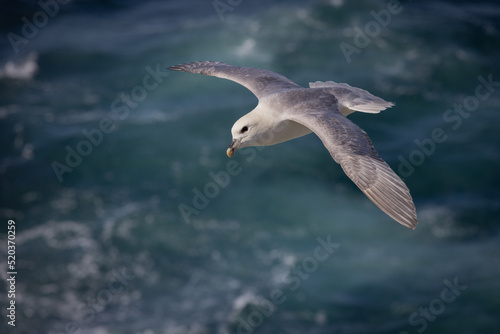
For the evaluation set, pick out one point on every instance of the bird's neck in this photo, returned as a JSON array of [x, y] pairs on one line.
[[275, 129]]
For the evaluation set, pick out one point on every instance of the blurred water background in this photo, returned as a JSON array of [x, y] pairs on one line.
[[287, 244]]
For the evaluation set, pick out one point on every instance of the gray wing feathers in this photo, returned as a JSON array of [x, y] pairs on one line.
[[353, 99], [258, 81], [353, 150]]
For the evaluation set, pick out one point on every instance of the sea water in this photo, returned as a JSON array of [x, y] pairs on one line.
[[130, 218]]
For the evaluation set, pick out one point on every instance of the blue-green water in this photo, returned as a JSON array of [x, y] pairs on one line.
[[101, 147]]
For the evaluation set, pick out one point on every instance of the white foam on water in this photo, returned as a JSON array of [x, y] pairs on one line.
[[24, 69]]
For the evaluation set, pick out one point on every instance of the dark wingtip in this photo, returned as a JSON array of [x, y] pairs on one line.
[[411, 223], [193, 66], [183, 67], [175, 68]]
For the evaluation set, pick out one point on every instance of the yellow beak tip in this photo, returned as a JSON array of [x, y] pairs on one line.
[[229, 152]]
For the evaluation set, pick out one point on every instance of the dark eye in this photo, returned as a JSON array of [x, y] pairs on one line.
[[244, 129]]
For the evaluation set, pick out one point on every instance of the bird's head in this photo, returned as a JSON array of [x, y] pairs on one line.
[[246, 132]]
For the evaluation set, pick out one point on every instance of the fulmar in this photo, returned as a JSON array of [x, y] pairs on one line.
[[286, 111]]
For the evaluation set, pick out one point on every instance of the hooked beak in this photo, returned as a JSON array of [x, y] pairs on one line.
[[233, 147]]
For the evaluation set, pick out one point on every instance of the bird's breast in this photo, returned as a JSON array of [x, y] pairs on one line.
[[284, 131]]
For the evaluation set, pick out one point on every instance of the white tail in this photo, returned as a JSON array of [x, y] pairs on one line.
[[353, 99]]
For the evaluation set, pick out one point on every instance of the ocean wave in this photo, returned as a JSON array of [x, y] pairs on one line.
[[24, 69]]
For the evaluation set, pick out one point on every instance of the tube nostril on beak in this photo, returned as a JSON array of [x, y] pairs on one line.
[[230, 151]]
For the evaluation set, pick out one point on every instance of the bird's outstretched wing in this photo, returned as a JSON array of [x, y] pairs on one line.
[[258, 81], [351, 147]]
